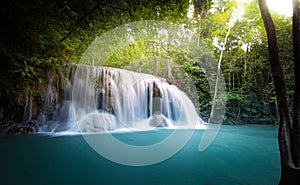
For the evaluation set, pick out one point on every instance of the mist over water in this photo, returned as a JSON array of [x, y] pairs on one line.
[[98, 99]]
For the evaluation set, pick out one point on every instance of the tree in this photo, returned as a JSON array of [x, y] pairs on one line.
[[296, 108], [231, 23], [288, 133]]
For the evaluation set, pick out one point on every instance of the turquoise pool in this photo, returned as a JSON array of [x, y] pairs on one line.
[[239, 155]]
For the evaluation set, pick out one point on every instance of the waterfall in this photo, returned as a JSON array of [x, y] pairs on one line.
[[27, 115], [102, 99]]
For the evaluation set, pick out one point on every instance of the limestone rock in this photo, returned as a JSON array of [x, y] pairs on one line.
[[11, 128]]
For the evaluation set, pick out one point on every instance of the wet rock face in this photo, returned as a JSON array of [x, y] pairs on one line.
[[106, 97], [11, 128]]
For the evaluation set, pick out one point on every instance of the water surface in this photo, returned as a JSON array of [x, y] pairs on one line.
[[239, 155]]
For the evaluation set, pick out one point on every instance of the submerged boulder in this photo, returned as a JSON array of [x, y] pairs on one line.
[[97, 122], [157, 120]]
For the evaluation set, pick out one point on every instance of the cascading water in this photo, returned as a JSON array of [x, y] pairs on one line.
[[102, 99]]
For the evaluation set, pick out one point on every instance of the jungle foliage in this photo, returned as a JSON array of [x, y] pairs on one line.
[[39, 39]]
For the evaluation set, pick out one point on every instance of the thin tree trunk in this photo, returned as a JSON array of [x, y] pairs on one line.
[[233, 81], [213, 107], [155, 65], [169, 75], [229, 80], [155, 61], [211, 119], [246, 60]]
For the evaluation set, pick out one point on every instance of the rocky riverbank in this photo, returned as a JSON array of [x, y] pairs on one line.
[[12, 128]]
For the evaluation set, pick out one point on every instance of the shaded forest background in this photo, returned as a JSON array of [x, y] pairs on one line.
[[40, 39]]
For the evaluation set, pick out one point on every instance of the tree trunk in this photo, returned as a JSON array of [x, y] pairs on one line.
[[231, 23], [289, 174], [296, 109], [212, 112], [246, 60], [155, 65], [169, 75]]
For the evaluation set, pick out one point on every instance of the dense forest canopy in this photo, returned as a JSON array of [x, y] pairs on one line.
[[39, 39]]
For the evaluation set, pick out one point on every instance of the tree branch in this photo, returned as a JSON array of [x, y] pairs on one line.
[[80, 20]]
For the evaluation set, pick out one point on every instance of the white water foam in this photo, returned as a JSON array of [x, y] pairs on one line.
[[101, 99]]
